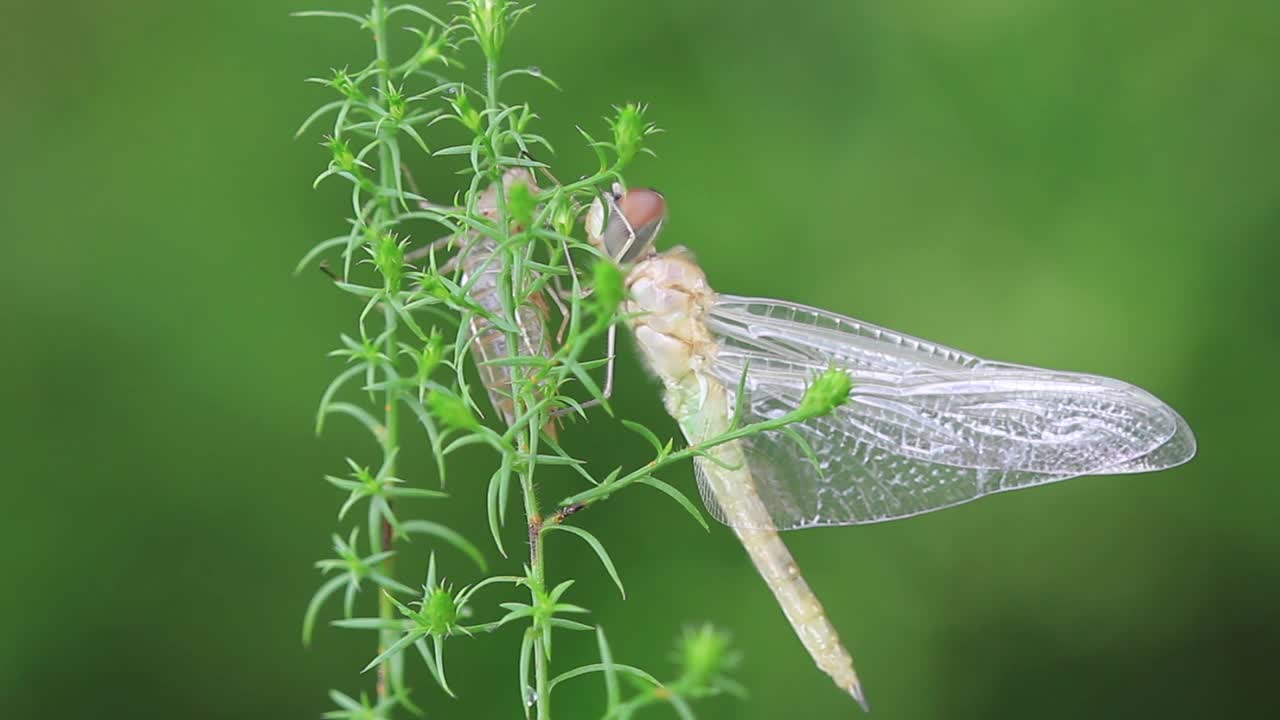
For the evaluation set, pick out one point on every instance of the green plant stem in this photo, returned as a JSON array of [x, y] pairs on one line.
[[524, 442], [390, 435], [540, 681], [605, 490]]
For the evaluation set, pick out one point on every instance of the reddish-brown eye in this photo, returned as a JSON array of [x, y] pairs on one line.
[[643, 207]]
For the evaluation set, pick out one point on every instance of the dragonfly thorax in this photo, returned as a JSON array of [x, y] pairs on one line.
[[668, 296]]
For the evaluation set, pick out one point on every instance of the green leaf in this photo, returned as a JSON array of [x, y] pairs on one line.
[[601, 667], [434, 658], [346, 702], [531, 72], [597, 147], [370, 623], [332, 390], [404, 641], [465, 595], [407, 7], [597, 547], [454, 150], [568, 459], [360, 415], [740, 397], [422, 493], [515, 613], [426, 527], [589, 383], [390, 583], [526, 655], [319, 113], [612, 694], [433, 433], [493, 502], [313, 607], [678, 496], [411, 132], [682, 708], [320, 248], [804, 447], [331, 14], [645, 433]]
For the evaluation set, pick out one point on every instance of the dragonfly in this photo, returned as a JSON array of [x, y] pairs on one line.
[[925, 426]]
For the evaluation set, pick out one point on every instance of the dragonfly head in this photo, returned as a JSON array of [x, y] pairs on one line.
[[623, 224]]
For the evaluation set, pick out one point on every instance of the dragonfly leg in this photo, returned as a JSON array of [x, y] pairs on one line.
[[608, 368], [563, 309], [543, 169], [559, 294]]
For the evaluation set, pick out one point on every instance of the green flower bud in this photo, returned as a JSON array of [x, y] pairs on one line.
[[345, 84], [828, 391], [490, 20], [468, 115], [629, 131], [431, 355], [521, 204], [432, 49], [703, 654], [342, 155], [563, 215], [388, 255], [608, 287], [396, 104], [440, 611], [526, 115], [451, 410], [432, 286]]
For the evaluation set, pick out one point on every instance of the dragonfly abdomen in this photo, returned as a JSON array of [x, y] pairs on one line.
[[491, 343]]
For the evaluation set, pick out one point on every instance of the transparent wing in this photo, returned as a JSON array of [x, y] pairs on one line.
[[927, 426]]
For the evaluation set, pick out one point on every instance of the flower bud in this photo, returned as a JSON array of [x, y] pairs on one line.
[[345, 84], [432, 286], [828, 391], [396, 104], [342, 155], [467, 114], [607, 286], [388, 255], [563, 215], [431, 355], [629, 131], [440, 611], [521, 204], [451, 411], [703, 654]]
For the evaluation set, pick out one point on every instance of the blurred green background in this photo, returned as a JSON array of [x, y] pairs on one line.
[[1077, 184]]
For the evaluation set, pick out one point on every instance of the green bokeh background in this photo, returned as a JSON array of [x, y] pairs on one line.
[[1077, 184]]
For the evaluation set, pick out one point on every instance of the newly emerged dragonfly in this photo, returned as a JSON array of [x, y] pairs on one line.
[[925, 427]]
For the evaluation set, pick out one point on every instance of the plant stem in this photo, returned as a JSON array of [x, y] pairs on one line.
[[525, 443], [540, 681], [390, 436], [604, 491]]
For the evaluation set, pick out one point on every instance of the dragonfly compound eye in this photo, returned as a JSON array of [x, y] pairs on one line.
[[645, 211]]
